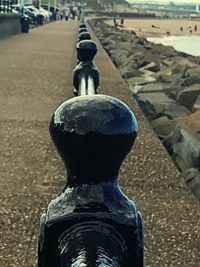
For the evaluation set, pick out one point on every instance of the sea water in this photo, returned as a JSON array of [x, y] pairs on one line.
[[187, 44]]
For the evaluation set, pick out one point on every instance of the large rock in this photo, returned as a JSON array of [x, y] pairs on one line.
[[128, 73], [163, 126], [130, 67], [170, 109], [197, 104], [195, 79], [191, 122], [141, 80], [153, 66], [154, 88], [114, 52], [184, 148], [179, 69], [119, 46], [149, 103], [192, 177], [158, 126], [118, 58], [148, 109], [147, 60], [160, 97], [173, 110], [195, 71], [163, 51], [165, 76], [188, 96], [107, 41]]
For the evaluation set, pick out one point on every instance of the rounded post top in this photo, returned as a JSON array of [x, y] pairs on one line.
[[82, 25], [86, 50], [93, 135], [84, 36], [82, 30]]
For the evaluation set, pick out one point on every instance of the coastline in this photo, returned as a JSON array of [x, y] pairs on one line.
[[143, 27], [160, 77], [165, 83]]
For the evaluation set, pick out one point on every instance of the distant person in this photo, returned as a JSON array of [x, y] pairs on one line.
[[195, 28], [61, 15], [122, 21], [115, 22], [66, 14], [181, 29], [79, 15], [54, 14], [190, 31], [155, 27]]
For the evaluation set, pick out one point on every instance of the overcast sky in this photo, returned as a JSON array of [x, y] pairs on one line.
[[166, 1]]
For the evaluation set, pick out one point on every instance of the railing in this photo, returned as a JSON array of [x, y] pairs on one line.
[[86, 74], [5, 6], [92, 223]]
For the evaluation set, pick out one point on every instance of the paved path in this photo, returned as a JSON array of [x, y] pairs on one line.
[[36, 75]]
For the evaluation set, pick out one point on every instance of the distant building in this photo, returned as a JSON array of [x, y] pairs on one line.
[[197, 8]]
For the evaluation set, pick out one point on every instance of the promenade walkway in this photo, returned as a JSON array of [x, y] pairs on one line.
[[36, 75]]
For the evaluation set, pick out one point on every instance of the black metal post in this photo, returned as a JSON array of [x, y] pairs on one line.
[[82, 25], [82, 30], [84, 36], [86, 74], [86, 85], [92, 223]]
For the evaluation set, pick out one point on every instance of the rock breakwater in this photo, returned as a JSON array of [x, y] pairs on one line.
[[166, 84]]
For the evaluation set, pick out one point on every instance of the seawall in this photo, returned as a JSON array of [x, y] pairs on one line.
[[9, 25]]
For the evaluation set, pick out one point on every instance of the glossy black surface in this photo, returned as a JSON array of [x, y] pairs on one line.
[[84, 36], [86, 78], [86, 50], [92, 223], [82, 30], [70, 222], [92, 249], [93, 134], [82, 25]]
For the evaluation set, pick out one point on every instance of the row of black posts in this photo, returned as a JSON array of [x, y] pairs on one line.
[[92, 223]]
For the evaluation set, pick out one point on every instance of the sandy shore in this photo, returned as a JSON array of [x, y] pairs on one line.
[[143, 27]]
